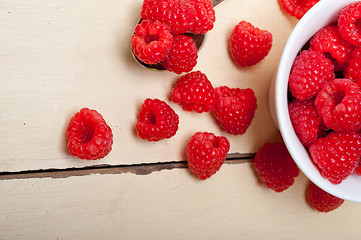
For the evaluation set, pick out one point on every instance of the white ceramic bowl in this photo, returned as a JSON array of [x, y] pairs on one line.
[[323, 13]]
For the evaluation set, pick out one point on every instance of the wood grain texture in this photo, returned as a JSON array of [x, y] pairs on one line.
[[138, 169], [59, 56], [170, 204]]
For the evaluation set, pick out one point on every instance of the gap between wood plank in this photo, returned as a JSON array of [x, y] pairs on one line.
[[138, 169]]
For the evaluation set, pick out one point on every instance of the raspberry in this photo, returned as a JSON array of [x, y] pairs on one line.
[[151, 41], [156, 120], [305, 121], [194, 92], [178, 14], [275, 166], [235, 109], [204, 18], [297, 8], [349, 24], [89, 136], [321, 200], [337, 155], [182, 56], [249, 44], [352, 70], [309, 72], [206, 154], [358, 169], [329, 41], [339, 105]]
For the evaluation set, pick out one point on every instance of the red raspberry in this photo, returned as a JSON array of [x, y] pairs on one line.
[[89, 136], [337, 155], [358, 169], [309, 72], [151, 42], [205, 16], [178, 14], [156, 120], [297, 8], [321, 200], [249, 44], [235, 109], [349, 24], [206, 154], [305, 121], [182, 56], [352, 70], [194, 92], [339, 105], [329, 41], [275, 166]]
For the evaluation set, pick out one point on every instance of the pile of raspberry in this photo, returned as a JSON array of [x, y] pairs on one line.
[[162, 37], [232, 108], [325, 96]]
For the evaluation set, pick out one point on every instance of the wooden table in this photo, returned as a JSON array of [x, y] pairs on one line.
[[58, 56]]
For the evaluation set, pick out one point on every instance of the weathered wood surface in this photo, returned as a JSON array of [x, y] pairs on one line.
[[168, 204]]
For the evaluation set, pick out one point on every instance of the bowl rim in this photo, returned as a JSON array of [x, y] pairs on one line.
[[322, 17]]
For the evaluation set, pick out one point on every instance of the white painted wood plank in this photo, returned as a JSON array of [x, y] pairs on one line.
[[58, 56], [169, 204]]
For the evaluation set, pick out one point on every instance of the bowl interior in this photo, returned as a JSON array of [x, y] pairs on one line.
[[323, 13]]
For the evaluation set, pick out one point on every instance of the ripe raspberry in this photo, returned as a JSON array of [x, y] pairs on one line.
[[321, 200], [249, 44], [349, 24], [156, 120], [358, 169], [329, 41], [235, 109], [275, 166], [206, 154], [297, 8], [151, 42], [339, 105], [89, 136], [305, 121], [309, 72], [204, 18], [352, 70], [194, 92], [182, 56], [337, 155], [178, 14]]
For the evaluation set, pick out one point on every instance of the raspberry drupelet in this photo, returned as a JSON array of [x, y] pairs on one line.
[[89, 136], [151, 42], [206, 153], [156, 120]]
